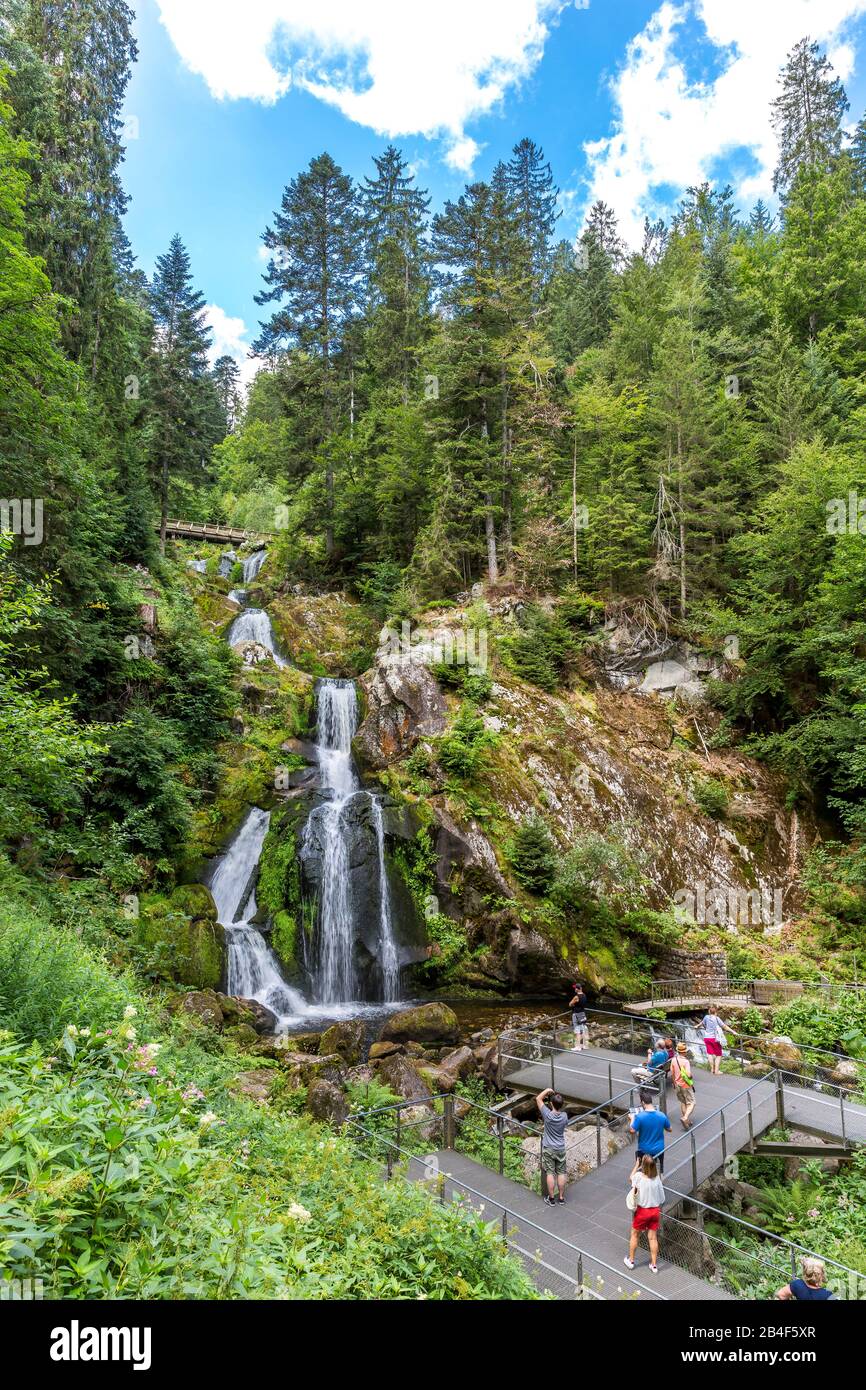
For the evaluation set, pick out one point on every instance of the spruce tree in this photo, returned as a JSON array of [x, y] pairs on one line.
[[185, 407], [227, 379], [807, 113], [313, 275]]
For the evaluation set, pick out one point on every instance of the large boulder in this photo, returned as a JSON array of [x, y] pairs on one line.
[[784, 1053], [345, 1038], [326, 1102], [182, 937], [404, 703], [238, 1011], [458, 1064], [303, 1070], [254, 1085], [845, 1073], [441, 1082], [403, 1077], [204, 1006], [426, 1024], [378, 1050], [487, 1062]]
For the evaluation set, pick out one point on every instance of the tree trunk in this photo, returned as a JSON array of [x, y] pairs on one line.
[[489, 525], [682, 521], [163, 506]]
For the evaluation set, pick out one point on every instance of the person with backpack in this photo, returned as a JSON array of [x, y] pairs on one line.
[[646, 1200], [578, 1006], [683, 1083], [715, 1039]]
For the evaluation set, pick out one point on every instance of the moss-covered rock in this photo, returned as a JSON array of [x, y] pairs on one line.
[[180, 939], [426, 1023]]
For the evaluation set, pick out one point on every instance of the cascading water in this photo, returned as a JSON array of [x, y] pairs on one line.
[[252, 971], [335, 969], [254, 625], [252, 564]]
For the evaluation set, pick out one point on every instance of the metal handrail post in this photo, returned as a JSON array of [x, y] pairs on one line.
[[694, 1163], [500, 1130], [780, 1100], [610, 1080], [751, 1123], [724, 1135], [842, 1113], [448, 1122], [598, 1138], [397, 1126], [552, 1071]]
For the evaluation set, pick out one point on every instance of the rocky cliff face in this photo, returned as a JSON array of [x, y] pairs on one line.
[[591, 760]]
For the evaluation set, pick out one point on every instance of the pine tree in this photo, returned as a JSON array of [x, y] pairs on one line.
[[532, 855], [185, 408], [807, 113], [857, 151], [313, 275]]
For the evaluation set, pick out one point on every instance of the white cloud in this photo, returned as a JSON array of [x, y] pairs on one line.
[[670, 128], [229, 340], [396, 67]]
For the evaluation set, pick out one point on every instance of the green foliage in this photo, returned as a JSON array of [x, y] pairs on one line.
[[50, 978], [461, 751], [541, 648], [711, 796], [532, 854], [813, 1021]]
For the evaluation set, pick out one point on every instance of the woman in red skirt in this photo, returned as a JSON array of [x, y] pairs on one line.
[[649, 1195], [714, 1039]]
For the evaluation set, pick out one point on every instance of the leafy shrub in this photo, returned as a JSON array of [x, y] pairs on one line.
[[461, 750], [711, 796], [49, 978], [598, 867], [541, 648], [532, 854], [814, 1021]]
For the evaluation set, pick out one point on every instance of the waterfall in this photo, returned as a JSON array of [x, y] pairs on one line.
[[335, 973], [388, 960], [254, 625], [253, 972], [252, 564]]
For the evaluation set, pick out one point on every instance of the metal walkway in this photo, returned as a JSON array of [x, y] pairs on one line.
[[600, 1229]]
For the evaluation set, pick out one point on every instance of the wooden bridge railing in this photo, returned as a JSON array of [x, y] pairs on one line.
[[211, 531]]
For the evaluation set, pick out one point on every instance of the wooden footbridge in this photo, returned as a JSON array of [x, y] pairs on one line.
[[576, 1250], [211, 531]]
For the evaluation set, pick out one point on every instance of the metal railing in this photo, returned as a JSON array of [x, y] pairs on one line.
[[747, 991], [555, 1264], [715, 1245]]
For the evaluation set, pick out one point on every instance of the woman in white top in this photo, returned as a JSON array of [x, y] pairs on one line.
[[649, 1200], [714, 1038]]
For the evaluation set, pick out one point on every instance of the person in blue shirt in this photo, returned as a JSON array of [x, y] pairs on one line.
[[649, 1125], [657, 1058], [809, 1289]]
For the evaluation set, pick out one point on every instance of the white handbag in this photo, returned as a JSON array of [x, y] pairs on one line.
[[631, 1199]]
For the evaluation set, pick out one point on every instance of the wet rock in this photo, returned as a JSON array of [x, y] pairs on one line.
[[303, 1070], [426, 1023], [403, 1077], [326, 1102], [441, 1082], [359, 1076], [346, 1039], [227, 563], [486, 1060], [255, 1085]]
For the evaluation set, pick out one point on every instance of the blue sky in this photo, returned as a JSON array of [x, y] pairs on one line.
[[631, 100]]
